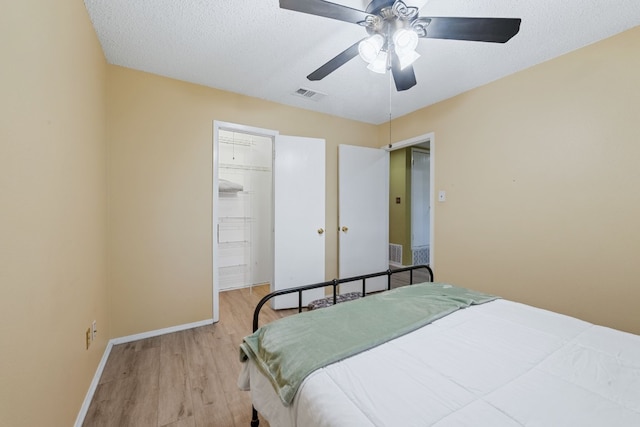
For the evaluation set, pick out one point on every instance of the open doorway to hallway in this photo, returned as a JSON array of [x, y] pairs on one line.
[[411, 191]]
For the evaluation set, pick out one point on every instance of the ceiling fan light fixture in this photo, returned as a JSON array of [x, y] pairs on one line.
[[405, 40], [407, 58], [369, 49], [379, 65]]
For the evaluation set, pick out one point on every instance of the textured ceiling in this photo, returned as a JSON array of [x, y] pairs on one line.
[[255, 48]]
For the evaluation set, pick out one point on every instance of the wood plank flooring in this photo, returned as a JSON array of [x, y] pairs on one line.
[[182, 379], [186, 378]]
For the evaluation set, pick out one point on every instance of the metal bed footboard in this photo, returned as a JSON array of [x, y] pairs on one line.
[[334, 284]]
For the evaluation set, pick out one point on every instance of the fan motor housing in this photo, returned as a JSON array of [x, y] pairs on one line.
[[384, 20], [376, 6]]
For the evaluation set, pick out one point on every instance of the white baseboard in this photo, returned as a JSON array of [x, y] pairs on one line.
[[395, 264], [121, 340], [92, 388], [157, 332]]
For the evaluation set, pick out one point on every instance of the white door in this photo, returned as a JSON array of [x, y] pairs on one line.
[[363, 205], [299, 215], [420, 199]]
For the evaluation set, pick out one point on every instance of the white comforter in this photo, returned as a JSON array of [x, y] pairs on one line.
[[495, 364]]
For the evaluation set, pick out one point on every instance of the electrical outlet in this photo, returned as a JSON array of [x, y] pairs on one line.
[[88, 337], [94, 330]]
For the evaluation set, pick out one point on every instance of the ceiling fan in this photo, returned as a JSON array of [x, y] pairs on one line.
[[394, 29]]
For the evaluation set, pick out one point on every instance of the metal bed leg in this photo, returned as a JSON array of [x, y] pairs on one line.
[[255, 422]]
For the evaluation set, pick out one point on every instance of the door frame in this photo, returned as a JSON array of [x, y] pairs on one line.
[[421, 139], [233, 127]]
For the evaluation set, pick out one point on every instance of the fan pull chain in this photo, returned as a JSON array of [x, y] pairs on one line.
[[390, 144]]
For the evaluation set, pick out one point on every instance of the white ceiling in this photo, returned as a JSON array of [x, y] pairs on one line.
[[253, 47]]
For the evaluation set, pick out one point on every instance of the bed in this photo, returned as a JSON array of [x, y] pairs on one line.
[[467, 359]]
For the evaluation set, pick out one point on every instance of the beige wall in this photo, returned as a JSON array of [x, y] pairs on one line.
[[160, 191], [542, 175], [52, 210]]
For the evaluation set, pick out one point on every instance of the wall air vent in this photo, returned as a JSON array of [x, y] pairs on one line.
[[309, 94], [395, 254]]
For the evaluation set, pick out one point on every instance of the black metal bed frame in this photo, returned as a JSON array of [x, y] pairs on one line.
[[334, 284]]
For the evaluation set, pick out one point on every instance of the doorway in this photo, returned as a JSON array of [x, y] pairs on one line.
[[242, 211], [420, 206], [293, 219], [411, 225], [245, 195]]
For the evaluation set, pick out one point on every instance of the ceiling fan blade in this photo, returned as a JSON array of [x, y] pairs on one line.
[[496, 30], [326, 9], [335, 63], [403, 78]]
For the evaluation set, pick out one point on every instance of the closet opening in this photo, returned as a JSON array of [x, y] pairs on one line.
[[256, 193], [245, 211], [242, 231]]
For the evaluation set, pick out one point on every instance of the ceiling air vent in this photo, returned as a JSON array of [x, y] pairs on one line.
[[309, 94]]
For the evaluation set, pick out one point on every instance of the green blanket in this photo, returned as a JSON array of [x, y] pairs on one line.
[[289, 349]]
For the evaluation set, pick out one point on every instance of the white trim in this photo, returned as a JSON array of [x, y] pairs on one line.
[[215, 305], [217, 125], [431, 137], [94, 385], [157, 332]]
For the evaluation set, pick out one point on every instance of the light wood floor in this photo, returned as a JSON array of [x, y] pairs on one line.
[[182, 379], [187, 378]]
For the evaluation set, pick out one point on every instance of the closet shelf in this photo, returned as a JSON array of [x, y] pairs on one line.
[[233, 266], [233, 141], [244, 167], [235, 218], [235, 243], [233, 197]]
